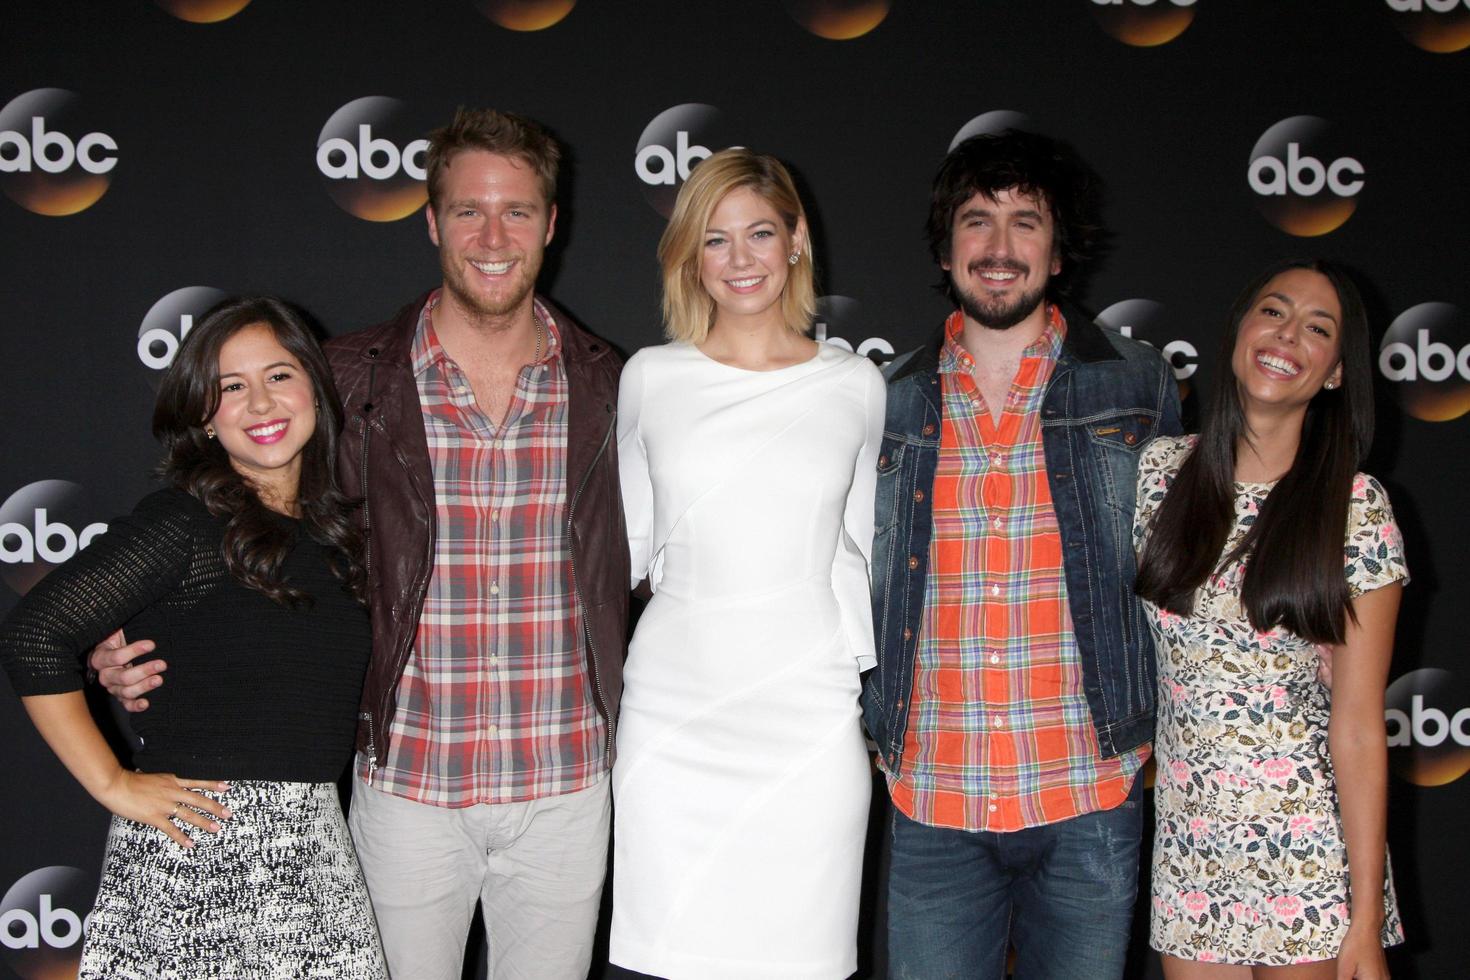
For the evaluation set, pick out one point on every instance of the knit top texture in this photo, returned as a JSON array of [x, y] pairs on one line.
[[253, 689]]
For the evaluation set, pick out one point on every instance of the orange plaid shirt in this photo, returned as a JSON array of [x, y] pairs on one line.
[[1000, 737]]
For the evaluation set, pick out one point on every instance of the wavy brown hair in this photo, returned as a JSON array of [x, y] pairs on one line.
[[256, 541]]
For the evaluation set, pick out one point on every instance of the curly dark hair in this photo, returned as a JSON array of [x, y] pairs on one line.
[[1024, 163], [256, 542]]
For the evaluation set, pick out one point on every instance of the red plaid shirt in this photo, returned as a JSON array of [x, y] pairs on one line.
[[1000, 737], [495, 705]]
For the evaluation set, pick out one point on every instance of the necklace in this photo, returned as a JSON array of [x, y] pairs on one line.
[[538, 327]]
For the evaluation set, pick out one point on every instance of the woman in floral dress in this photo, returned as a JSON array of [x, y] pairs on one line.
[[1260, 541]]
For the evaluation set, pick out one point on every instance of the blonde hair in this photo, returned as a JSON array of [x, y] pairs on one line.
[[688, 309]]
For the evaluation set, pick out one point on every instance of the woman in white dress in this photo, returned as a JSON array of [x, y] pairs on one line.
[[748, 458]]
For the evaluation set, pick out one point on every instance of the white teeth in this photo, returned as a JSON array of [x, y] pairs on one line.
[[744, 283], [1002, 276], [493, 268], [1278, 364], [267, 430]]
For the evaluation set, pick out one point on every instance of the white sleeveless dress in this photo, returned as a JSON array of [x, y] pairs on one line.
[[742, 780]]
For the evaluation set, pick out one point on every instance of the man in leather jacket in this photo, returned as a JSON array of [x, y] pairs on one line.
[[480, 436], [1012, 704]]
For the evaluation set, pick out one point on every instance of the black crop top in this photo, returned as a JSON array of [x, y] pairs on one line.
[[253, 690]]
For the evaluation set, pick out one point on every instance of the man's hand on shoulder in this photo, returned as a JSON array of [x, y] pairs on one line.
[[112, 659]]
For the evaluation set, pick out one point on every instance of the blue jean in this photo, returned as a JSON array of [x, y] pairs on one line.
[[1063, 893]]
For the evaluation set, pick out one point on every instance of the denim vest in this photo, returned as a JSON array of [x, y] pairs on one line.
[[1107, 397]]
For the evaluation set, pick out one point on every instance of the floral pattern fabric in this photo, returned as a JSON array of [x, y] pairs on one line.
[[1249, 862]]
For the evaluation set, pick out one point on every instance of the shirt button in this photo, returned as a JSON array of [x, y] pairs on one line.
[[1000, 721], [913, 562], [459, 389], [992, 808], [491, 729], [494, 589], [918, 496], [929, 429], [995, 590], [996, 523], [995, 658], [908, 634]]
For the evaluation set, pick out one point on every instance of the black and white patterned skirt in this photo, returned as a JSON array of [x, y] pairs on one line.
[[276, 893]]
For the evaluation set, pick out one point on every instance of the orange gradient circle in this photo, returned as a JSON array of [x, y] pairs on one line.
[[839, 20], [57, 199], [1144, 28], [1435, 32], [1310, 220], [203, 11], [526, 15]]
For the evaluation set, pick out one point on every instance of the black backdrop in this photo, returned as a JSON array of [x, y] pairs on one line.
[[151, 147]]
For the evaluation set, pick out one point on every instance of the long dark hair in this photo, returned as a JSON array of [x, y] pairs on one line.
[[256, 542], [1295, 573]]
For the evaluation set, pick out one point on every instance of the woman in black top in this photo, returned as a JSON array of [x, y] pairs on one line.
[[247, 574]]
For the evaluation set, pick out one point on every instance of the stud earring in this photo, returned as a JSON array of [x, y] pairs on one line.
[[791, 259], [1330, 385], [209, 432]]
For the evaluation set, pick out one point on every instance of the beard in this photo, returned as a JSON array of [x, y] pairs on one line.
[[479, 304], [997, 313]]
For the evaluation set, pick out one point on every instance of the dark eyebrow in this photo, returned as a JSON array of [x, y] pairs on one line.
[[1289, 302], [237, 374], [1031, 213]]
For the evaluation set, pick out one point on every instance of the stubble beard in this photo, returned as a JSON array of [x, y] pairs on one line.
[[479, 307], [997, 314]]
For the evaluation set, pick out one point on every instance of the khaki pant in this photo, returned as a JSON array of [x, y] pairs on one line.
[[535, 867]]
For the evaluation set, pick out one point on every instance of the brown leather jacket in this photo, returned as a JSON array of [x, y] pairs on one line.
[[383, 456]]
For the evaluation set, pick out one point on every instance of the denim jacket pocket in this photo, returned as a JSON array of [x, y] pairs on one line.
[[890, 483], [1115, 442]]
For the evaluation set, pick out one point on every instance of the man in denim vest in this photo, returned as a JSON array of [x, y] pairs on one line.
[[1013, 700]]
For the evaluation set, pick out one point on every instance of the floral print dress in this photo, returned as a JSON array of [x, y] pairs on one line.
[[1249, 862]]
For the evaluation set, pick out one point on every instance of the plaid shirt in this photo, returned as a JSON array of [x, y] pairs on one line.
[[495, 704], [1000, 737]]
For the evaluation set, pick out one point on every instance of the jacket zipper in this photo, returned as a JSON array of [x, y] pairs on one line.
[[577, 588], [367, 537]]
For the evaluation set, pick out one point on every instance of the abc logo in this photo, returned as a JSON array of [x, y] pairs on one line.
[[995, 121], [671, 145], [1305, 186], [1144, 320], [169, 321], [844, 314], [838, 20], [1144, 23], [42, 525], [1427, 714], [203, 11], [526, 15], [1440, 26], [1427, 351], [371, 155], [42, 919], [52, 160]]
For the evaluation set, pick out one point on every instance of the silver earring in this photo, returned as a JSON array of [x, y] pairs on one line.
[[1330, 385], [791, 259]]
